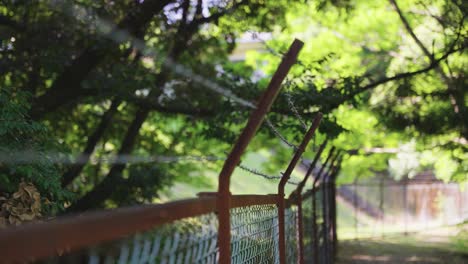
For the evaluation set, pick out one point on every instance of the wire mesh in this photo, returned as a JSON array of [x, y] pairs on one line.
[[191, 240], [381, 208], [326, 224], [319, 225], [254, 234], [291, 234], [308, 235]]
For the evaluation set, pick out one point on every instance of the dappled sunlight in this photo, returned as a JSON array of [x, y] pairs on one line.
[[359, 258], [432, 246], [371, 258], [249, 129]]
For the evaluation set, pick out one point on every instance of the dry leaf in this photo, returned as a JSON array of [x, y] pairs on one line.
[[24, 205]]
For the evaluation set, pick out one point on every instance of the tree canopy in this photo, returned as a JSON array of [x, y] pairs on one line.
[[136, 79]]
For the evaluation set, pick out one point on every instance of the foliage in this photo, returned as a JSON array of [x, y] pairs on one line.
[[22, 138], [73, 81], [460, 241], [387, 81]]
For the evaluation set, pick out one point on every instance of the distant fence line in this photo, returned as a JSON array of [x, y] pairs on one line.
[[403, 206], [215, 227]]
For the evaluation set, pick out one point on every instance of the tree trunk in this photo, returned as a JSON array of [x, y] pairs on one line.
[[67, 87], [101, 192], [93, 140]]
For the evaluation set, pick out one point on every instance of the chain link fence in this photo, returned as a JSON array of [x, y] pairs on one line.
[[383, 207]]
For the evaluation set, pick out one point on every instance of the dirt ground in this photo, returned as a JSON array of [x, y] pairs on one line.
[[414, 249]]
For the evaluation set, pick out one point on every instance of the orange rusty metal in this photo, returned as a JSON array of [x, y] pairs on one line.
[[330, 153], [256, 118], [38, 240], [249, 200], [300, 225], [326, 208], [334, 235], [297, 195], [26, 242], [315, 246], [284, 180], [301, 185]]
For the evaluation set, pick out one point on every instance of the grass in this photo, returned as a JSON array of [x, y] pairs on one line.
[[242, 182], [375, 244], [439, 245]]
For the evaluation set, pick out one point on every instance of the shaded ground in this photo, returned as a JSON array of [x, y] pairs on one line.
[[414, 248]]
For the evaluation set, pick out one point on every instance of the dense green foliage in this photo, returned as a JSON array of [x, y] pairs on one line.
[[394, 78], [70, 83], [18, 133]]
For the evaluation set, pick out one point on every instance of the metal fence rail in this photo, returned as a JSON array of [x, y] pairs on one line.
[[216, 227], [191, 240], [185, 235]]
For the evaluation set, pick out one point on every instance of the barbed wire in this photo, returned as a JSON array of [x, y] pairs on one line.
[[294, 109], [28, 157], [118, 35], [259, 173], [279, 135], [264, 175]]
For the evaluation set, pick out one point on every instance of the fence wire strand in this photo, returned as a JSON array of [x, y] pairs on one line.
[[293, 107], [264, 175], [254, 228], [111, 31], [278, 134], [118, 35]]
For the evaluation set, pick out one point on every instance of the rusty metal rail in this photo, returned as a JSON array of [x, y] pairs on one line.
[[255, 120], [38, 240], [215, 227]]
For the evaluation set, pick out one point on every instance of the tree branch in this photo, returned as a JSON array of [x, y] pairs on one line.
[[8, 22], [410, 30], [456, 94], [93, 140], [435, 63], [101, 191], [215, 17], [67, 86]]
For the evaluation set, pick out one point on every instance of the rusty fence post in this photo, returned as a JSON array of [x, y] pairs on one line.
[[326, 209], [355, 205], [233, 159], [315, 241], [297, 195], [405, 204], [284, 180], [314, 227], [381, 206], [333, 213], [325, 217], [335, 233]]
